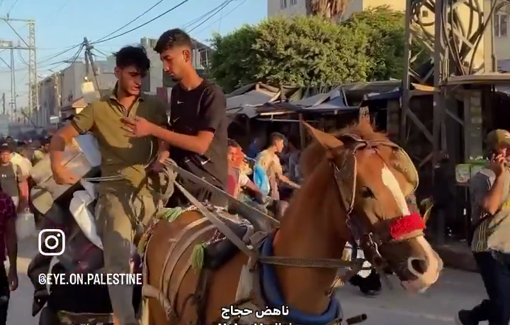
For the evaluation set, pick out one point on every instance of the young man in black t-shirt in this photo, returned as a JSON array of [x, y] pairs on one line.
[[11, 177], [198, 122]]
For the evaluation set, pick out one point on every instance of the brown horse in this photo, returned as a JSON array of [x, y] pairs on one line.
[[356, 183]]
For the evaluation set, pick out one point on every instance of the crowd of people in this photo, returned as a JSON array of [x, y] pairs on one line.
[[16, 161]]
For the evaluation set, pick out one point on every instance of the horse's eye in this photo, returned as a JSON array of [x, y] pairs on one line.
[[367, 193]]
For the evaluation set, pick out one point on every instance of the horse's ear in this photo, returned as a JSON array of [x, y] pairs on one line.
[[325, 139]]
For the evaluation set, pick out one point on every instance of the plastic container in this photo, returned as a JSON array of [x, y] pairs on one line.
[[25, 225]]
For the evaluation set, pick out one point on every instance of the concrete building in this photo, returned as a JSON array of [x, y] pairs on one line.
[[502, 39], [62, 89], [289, 8]]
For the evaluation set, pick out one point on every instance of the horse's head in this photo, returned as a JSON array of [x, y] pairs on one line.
[[371, 178]]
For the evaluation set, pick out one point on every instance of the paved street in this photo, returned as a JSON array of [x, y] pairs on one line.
[[455, 290]]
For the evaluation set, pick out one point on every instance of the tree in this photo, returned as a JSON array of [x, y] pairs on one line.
[[232, 63], [301, 51], [330, 9], [385, 31]]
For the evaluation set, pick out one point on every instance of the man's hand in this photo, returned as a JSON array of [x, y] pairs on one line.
[[137, 127], [13, 278], [498, 163], [62, 176], [156, 167]]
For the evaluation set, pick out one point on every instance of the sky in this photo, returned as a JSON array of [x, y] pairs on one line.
[[61, 24]]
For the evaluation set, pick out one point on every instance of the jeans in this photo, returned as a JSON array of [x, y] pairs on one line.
[[495, 271], [4, 295]]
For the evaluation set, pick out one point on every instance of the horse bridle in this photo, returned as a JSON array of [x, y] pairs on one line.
[[368, 241]]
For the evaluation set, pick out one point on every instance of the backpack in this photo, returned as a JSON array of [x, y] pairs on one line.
[[260, 179]]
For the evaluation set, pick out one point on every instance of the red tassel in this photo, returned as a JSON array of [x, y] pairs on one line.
[[405, 225]]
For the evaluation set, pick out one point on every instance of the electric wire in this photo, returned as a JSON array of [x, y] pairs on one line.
[[131, 21], [53, 56], [222, 17], [70, 60], [102, 53], [141, 25], [12, 7], [200, 18], [219, 9]]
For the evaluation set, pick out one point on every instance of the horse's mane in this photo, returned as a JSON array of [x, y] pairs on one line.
[[314, 153]]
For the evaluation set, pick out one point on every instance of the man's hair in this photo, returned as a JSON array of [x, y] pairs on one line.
[[173, 38], [5, 147], [275, 136], [233, 143], [130, 56]]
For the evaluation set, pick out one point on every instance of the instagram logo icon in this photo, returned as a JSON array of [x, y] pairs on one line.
[[51, 242]]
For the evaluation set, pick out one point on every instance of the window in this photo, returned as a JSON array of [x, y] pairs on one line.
[[501, 25], [293, 2], [283, 4], [425, 13]]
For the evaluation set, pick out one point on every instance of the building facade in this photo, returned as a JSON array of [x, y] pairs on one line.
[[501, 38], [63, 88], [289, 8], [500, 22]]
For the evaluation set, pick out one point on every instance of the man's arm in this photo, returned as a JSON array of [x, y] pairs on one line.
[[213, 111], [162, 121], [485, 193], [244, 181], [22, 188], [286, 180], [81, 123], [278, 170], [492, 200]]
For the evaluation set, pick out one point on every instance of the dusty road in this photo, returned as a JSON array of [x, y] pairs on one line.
[[455, 290]]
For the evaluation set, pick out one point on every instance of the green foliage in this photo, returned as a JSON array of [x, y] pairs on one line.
[[232, 62], [311, 51], [302, 51], [385, 30]]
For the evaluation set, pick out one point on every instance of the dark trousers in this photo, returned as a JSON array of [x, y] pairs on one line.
[[495, 272], [4, 295]]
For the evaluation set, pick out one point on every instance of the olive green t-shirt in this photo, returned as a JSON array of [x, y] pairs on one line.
[[121, 154]]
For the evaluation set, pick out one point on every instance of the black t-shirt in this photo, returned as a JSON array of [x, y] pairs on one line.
[[201, 109], [9, 179]]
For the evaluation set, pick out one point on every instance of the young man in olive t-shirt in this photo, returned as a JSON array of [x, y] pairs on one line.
[[124, 203]]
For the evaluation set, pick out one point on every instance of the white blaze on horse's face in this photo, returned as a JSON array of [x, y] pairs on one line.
[[390, 181], [424, 278]]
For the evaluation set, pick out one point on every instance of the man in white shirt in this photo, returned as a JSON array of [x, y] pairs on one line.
[[23, 163], [270, 162]]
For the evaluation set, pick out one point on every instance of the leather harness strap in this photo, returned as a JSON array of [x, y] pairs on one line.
[[167, 284], [222, 227], [188, 227]]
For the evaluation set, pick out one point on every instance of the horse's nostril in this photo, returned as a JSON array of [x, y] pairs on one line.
[[419, 265]]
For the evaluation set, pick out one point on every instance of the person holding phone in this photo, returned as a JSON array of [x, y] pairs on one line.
[[490, 208]]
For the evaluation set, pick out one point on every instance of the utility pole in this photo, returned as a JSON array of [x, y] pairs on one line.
[[33, 99], [13, 103], [3, 104], [89, 60]]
